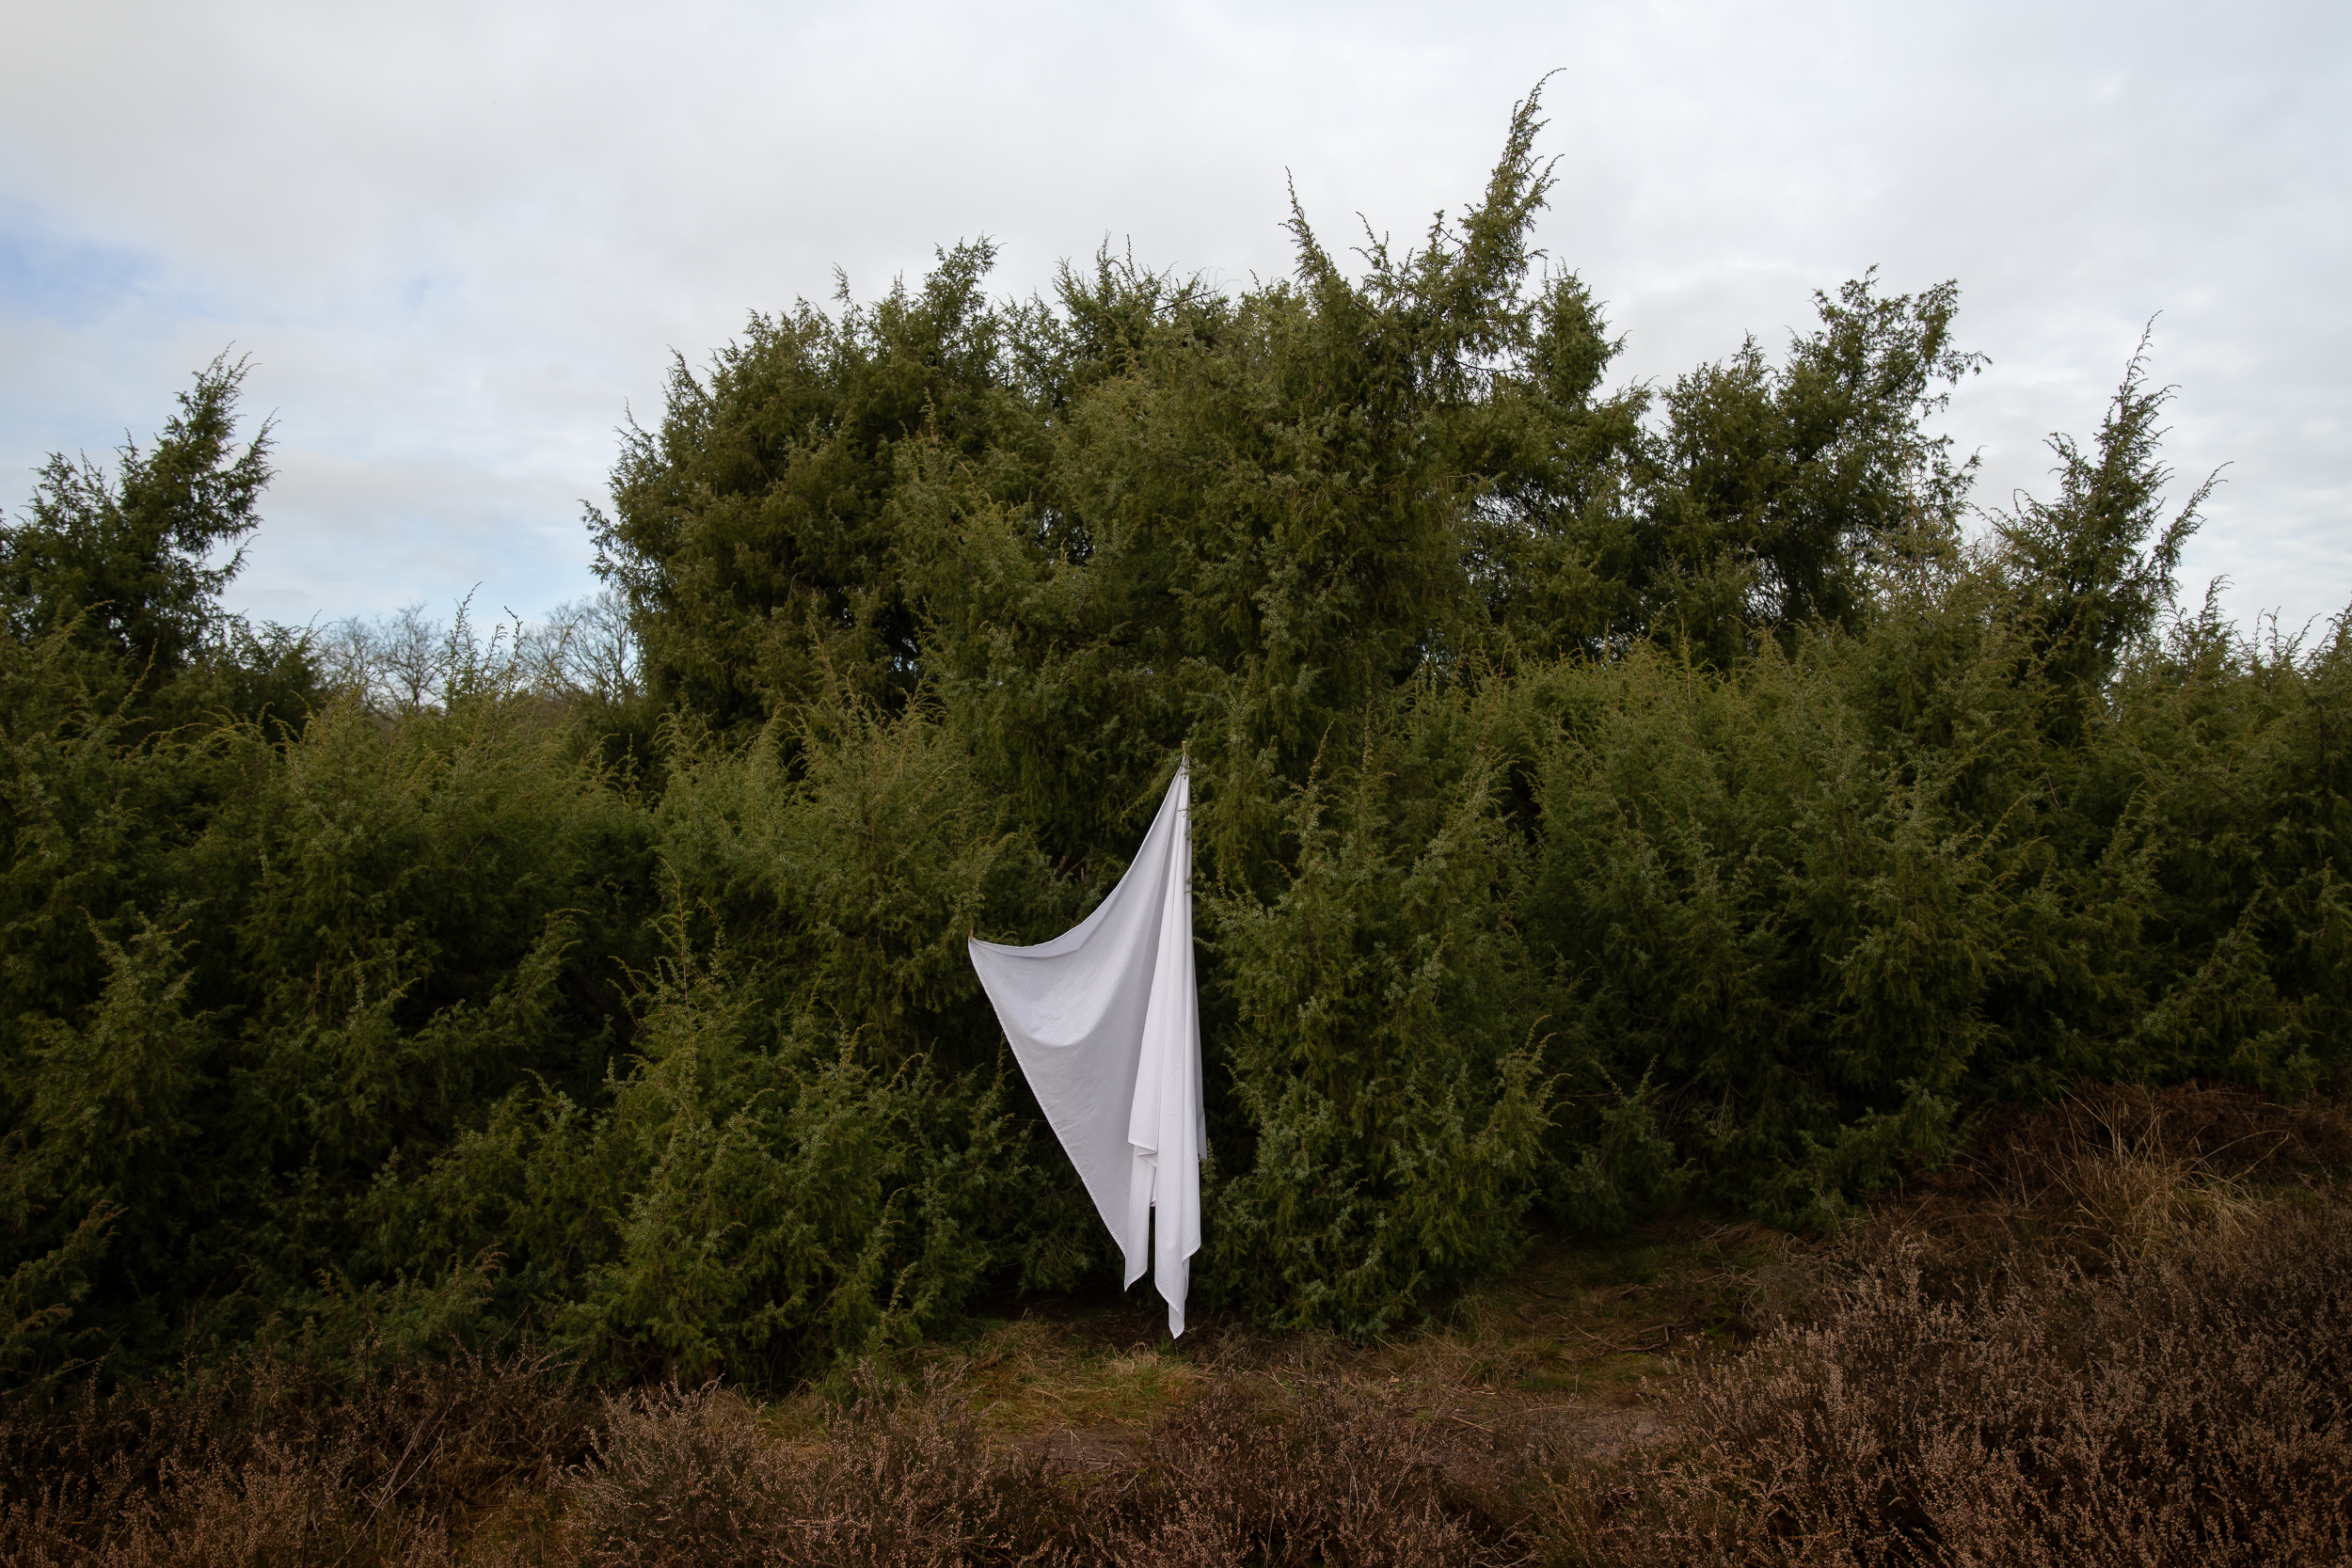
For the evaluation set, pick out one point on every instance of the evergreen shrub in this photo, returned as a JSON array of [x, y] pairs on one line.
[[1601, 796]]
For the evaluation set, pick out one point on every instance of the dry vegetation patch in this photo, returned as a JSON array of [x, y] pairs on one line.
[[2121, 1331]]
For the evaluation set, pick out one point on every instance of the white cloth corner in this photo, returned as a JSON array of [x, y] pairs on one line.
[[1105, 1021]]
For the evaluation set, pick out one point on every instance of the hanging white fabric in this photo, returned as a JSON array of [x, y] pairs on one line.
[[1105, 1021]]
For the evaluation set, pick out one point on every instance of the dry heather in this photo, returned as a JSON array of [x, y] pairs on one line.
[[682, 1477], [271, 1461], [2186, 1408], [2120, 1332]]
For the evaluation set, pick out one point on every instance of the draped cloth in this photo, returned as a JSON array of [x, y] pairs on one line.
[[1105, 1021]]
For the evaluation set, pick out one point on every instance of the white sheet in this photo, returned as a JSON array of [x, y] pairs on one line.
[[1105, 1021]]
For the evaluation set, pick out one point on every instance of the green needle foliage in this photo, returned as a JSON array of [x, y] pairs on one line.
[[124, 561], [1602, 797]]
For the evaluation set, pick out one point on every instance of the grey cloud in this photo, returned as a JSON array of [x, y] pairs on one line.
[[459, 239]]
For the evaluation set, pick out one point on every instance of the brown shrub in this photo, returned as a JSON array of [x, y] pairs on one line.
[[273, 1460], [677, 1477], [1327, 1478], [687, 1477], [2193, 1407], [2121, 1332], [281, 1464]]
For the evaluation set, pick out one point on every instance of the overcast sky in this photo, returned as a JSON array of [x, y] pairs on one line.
[[458, 241]]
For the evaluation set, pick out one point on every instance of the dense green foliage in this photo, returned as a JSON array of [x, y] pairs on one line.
[[1601, 796]]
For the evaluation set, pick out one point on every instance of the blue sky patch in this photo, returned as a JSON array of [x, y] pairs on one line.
[[70, 281]]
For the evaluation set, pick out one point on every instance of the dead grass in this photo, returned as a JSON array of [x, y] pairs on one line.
[[2117, 1173], [2120, 1331]]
